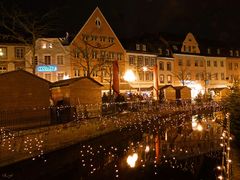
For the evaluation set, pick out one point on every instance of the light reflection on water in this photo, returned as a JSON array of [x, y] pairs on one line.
[[171, 144]]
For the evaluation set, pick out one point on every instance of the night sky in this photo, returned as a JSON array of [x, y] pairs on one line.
[[211, 19]]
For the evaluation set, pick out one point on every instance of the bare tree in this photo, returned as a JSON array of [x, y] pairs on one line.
[[92, 58], [25, 27], [182, 75]]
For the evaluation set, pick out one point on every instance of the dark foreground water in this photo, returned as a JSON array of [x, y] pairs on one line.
[[178, 147]]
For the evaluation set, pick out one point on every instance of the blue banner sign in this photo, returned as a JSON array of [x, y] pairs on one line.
[[47, 68]]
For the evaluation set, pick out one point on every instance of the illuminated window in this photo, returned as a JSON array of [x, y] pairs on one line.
[[147, 61], [218, 51], [47, 60], [209, 76], [144, 47], [98, 22], [140, 61], [149, 76], [60, 60], [131, 60], [3, 52], [209, 51], [119, 56], [160, 51], [94, 54], [77, 72], [60, 76], [19, 52], [237, 53], [235, 66], [169, 78], [161, 78], [188, 76], [137, 46], [222, 76], [167, 52], [231, 52], [3, 69]]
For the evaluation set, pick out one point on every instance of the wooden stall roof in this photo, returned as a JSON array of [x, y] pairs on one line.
[[72, 80]]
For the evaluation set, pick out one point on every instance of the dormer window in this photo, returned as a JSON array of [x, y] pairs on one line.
[[144, 47], [231, 52], [137, 46], [190, 39], [167, 52], [209, 51], [175, 47], [218, 51], [160, 51], [98, 22], [237, 53]]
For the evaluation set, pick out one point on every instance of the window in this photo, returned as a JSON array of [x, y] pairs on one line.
[[180, 62], [140, 61], [188, 62], [197, 76], [137, 46], [209, 76], [149, 76], [147, 61], [77, 53], [188, 76], [119, 56], [208, 63], [231, 52], [19, 52], [46, 45], [98, 22], [221, 63], [194, 49], [215, 63], [169, 66], [131, 60], [167, 52], [111, 39], [144, 47], [230, 66], [94, 54], [196, 62], [218, 51], [60, 76], [95, 74], [47, 60], [237, 53], [60, 60], [152, 62], [235, 66], [161, 78], [77, 72], [222, 76], [161, 65], [3, 52], [209, 51], [3, 69], [169, 78], [35, 62], [216, 76], [141, 76], [201, 63], [48, 77], [160, 51]]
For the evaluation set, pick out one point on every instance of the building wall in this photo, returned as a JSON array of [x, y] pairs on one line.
[[58, 57], [232, 69], [165, 70], [12, 57], [96, 35]]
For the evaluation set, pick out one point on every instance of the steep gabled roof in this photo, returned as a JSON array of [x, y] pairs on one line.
[[71, 81], [25, 72]]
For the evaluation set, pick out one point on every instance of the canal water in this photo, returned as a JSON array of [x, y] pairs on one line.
[[174, 147]]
